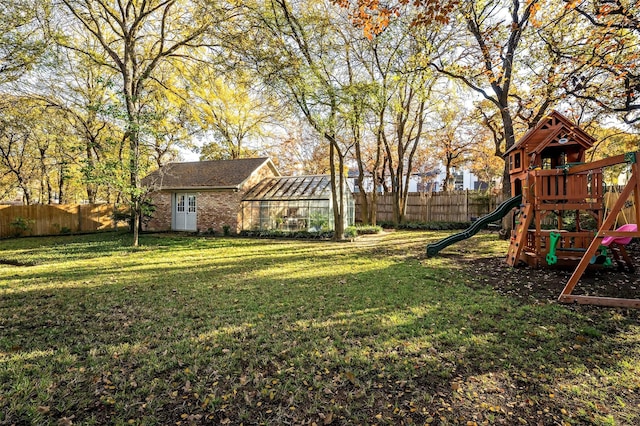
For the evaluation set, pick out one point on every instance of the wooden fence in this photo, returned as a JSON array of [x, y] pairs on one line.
[[465, 206], [459, 206], [54, 219], [628, 212]]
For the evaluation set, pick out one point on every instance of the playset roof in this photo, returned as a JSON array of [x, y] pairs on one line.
[[549, 131]]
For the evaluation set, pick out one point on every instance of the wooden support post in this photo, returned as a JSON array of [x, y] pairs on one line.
[[577, 274], [605, 301], [635, 171]]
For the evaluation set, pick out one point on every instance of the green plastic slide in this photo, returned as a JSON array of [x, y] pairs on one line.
[[500, 212]]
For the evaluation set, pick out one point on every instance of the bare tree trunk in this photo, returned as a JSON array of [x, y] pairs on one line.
[[374, 207], [61, 183], [364, 198], [135, 187], [337, 190], [509, 137]]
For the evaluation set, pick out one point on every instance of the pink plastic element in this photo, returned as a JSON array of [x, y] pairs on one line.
[[623, 241]]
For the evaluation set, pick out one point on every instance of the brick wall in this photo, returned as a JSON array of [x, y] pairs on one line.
[[218, 208], [161, 220]]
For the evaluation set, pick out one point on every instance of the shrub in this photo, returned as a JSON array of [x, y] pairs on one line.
[[350, 232], [318, 221], [124, 214], [368, 229], [226, 230], [426, 226], [278, 233], [21, 225]]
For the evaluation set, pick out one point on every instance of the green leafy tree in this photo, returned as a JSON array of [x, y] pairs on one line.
[[81, 92], [22, 41], [18, 158], [479, 46], [33, 157], [481, 53], [299, 55], [407, 114], [454, 141], [233, 111], [134, 40], [300, 151]]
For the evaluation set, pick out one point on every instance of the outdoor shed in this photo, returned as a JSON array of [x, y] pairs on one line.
[[293, 203], [203, 195]]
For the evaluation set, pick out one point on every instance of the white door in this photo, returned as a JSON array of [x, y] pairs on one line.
[[185, 215]]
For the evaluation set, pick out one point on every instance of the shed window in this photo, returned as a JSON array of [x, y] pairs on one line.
[[180, 207]]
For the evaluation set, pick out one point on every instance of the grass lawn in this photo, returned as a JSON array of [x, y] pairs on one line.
[[188, 330]]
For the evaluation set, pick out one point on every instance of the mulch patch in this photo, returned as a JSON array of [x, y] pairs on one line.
[[546, 284]]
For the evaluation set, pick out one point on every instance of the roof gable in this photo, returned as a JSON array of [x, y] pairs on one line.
[[551, 131], [214, 174]]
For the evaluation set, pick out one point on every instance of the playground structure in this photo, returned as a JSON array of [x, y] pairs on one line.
[[548, 172], [539, 169], [547, 166]]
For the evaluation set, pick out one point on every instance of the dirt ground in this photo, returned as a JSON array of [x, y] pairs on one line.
[[546, 284]]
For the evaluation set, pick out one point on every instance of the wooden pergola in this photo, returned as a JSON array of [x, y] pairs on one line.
[[632, 189]]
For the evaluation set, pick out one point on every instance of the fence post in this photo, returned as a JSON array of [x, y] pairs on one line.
[[466, 203]]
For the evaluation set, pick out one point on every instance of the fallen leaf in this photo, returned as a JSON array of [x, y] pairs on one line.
[[66, 421], [351, 377]]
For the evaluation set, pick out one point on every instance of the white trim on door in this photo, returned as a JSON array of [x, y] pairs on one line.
[[184, 212]]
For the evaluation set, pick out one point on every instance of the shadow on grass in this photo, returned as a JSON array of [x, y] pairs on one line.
[[277, 336]]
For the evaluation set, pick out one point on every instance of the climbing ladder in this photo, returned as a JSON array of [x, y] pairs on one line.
[[518, 241]]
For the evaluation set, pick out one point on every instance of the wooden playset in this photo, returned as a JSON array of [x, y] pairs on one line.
[[547, 167]]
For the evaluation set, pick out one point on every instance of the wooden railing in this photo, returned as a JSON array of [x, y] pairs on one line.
[[555, 186]]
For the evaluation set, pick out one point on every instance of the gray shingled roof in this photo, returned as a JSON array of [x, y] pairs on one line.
[[291, 188], [215, 174]]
